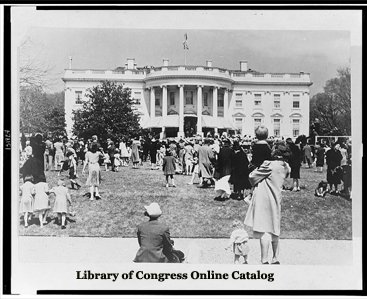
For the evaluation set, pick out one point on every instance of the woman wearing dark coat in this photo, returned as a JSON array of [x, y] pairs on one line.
[[295, 162], [153, 238], [33, 167], [153, 148], [320, 157], [240, 171], [334, 171], [169, 168], [223, 170]]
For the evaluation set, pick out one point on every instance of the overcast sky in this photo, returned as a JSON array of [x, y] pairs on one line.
[[319, 52]]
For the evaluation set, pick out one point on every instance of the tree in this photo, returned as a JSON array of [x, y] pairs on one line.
[[37, 110], [33, 71], [332, 108], [108, 113], [37, 107], [55, 122]]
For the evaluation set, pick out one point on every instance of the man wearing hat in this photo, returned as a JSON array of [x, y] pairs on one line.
[[153, 237]]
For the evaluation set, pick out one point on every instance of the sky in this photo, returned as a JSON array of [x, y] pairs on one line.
[[318, 52]]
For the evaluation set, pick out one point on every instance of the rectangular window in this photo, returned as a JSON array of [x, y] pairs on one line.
[[206, 99], [189, 97], [172, 98], [296, 123], [276, 127], [277, 101], [220, 100], [238, 103], [157, 98], [78, 97], [238, 120], [257, 122], [238, 94], [296, 98], [257, 99]]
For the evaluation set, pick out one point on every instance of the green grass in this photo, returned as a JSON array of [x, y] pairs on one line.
[[191, 211]]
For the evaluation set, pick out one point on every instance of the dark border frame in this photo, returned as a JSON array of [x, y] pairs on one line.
[[6, 287]]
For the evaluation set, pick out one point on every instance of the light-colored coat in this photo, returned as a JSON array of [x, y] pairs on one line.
[[206, 155], [263, 214]]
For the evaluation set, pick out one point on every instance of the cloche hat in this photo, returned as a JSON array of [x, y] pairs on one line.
[[153, 210]]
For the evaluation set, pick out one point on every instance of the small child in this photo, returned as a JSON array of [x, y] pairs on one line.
[[169, 168], [106, 159], [117, 160], [41, 202], [72, 170], [61, 202], [321, 189], [26, 202], [195, 166], [261, 151], [238, 241]]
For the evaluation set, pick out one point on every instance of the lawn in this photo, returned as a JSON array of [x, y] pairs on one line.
[[188, 210]]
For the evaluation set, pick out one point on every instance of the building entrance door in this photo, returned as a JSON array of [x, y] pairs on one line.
[[190, 123]]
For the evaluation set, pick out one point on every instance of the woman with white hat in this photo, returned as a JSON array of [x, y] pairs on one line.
[[153, 237]]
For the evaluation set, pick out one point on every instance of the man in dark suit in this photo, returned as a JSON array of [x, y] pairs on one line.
[[154, 238], [111, 152]]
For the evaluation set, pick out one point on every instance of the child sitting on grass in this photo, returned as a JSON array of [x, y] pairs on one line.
[[61, 202], [238, 242], [169, 168]]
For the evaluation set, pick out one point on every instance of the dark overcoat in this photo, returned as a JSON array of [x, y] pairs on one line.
[[224, 162], [155, 243]]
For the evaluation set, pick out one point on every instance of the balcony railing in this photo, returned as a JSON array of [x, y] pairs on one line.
[[192, 70]]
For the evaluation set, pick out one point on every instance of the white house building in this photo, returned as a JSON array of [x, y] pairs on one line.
[[183, 100]]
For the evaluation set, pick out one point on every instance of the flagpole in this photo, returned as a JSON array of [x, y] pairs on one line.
[[185, 56]]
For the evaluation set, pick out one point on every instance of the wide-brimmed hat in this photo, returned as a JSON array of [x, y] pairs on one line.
[[153, 210]]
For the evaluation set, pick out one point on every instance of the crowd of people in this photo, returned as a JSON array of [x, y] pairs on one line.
[[246, 168]]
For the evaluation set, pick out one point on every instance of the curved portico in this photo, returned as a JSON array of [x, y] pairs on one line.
[[178, 95]]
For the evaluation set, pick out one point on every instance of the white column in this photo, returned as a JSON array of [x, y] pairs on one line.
[[200, 110], [152, 102], [162, 135], [225, 104], [181, 112], [164, 100], [215, 101]]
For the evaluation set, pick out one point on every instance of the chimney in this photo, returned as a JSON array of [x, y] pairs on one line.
[[243, 66], [130, 63], [165, 62], [209, 63]]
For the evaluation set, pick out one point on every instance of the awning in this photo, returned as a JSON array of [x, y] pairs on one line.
[[173, 121], [159, 122], [217, 122]]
